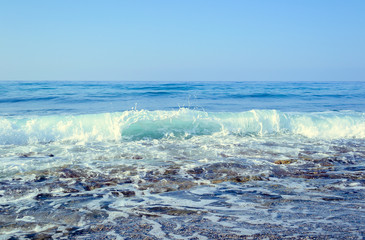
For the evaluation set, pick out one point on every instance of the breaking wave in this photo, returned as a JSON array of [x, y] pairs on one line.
[[183, 123]]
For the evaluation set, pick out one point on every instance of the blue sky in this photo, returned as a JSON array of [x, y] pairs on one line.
[[190, 40]]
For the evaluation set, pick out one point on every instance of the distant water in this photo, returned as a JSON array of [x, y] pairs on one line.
[[47, 98], [180, 160]]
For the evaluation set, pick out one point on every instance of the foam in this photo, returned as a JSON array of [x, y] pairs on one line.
[[183, 123]]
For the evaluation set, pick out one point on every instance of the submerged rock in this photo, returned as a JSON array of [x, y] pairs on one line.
[[124, 193], [43, 196], [284, 161]]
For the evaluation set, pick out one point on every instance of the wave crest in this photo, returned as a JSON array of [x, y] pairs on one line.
[[183, 123]]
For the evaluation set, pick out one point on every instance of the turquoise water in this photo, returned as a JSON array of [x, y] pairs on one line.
[[182, 160]]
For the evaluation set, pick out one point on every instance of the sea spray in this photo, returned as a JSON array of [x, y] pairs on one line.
[[142, 124]]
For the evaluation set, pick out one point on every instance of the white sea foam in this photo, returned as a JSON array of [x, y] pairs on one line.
[[133, 125]]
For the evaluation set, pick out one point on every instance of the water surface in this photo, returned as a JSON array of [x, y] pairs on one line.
[[182, 160]]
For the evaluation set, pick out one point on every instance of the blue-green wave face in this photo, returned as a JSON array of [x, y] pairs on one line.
[[183, 123]]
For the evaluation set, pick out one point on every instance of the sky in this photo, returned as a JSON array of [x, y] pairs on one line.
[[189, 40]]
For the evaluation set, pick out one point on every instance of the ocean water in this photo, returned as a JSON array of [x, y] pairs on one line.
[[182, 160]]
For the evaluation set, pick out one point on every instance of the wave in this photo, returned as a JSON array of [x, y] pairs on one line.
[[261, 95], [21, 99], [182, 123]]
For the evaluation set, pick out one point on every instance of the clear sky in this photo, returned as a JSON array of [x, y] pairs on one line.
[[182, 40]]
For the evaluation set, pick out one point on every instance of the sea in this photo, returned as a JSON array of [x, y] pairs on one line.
[[182, 160]]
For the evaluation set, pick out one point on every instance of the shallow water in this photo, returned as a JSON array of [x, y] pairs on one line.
[[182, 160]]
